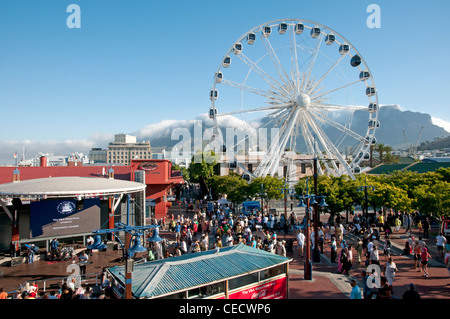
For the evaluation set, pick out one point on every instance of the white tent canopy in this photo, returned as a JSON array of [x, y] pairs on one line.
[[223, 201], [54, 187]]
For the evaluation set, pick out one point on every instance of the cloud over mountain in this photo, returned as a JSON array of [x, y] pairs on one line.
[[394, 121]]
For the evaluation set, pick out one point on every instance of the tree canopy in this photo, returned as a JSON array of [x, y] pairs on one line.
[[403, 191]]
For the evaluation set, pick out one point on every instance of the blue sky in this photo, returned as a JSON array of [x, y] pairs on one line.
[[133, 63]]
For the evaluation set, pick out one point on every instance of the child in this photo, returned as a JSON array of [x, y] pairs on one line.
[[419, 224]]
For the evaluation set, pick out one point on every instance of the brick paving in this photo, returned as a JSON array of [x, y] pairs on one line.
[[326, 283]]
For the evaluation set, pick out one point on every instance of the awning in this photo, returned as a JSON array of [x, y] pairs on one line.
[[223, 201], [57, 187], [167, 276]]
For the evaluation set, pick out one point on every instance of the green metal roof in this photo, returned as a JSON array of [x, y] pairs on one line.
[[427, 167], [418, 167], [167, 276], [386, 169]]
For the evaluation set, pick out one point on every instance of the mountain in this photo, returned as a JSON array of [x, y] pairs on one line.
[[394, 121], [436, 144], [394, 125]]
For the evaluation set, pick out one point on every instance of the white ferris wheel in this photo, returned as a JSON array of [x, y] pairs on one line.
[[308, 82]]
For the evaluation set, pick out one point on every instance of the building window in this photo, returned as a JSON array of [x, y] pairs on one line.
[[303, 168]]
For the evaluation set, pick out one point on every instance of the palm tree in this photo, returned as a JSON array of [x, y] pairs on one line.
[[381, 149]]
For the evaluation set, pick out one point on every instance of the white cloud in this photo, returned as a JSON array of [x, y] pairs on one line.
[[32, 148], [442, 123]]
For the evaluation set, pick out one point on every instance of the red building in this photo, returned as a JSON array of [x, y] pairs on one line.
[[160, 180]]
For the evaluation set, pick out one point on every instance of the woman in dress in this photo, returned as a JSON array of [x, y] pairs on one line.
[[390, 268]]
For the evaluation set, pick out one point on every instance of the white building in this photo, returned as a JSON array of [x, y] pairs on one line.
[[124, 148]]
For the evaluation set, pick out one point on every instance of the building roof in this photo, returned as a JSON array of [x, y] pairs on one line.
[[33, 172], [69, 186], [387, 168], [418, 167], [427, 167], [168, 276]]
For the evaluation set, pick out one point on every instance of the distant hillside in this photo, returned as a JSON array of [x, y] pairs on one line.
[[393, 123], [436, 144]]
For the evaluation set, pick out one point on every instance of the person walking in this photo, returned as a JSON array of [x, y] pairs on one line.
[[356, 291], [359, 250], [3, 294], [333, 247], [390, 268], [440, 243], [367, 289], [417, 254], [447, 261], [300, 242], [398, 224], [384, 292], [280, 249], [374, 256], [387, 247], [426, 228], [424, 261]]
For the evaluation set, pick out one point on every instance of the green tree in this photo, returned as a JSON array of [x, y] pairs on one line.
[[201, 171], [384, 149], [386, 195], [232, 185], [432, 199], [271, 186]]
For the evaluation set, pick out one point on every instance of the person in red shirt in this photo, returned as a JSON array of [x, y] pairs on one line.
[[3, 294], [424, 261]]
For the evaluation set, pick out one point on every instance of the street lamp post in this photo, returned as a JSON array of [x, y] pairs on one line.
[[311, 199], [286, 191], [366, 198], [262, 195]]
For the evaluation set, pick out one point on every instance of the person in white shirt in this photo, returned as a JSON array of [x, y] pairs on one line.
[[300, 242], [369, 247], [440, 243], [390, 268], [229, 240]]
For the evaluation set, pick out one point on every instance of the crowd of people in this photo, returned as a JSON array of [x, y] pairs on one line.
[[214, 230], [199, 230]]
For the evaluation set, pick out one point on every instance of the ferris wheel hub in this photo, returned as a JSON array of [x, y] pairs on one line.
[[303, 100]]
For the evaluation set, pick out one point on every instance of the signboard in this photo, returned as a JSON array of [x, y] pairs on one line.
[[51, 218], [210, 207], [274, 289], [249, 206], [171, 198]]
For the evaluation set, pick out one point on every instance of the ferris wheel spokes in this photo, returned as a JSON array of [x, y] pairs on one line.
[[278, 87], [276, 61], [313, 97], [300, 84], [312, 62], [326, 120], [277, 146], [316, 83], [273, 96], [329, 147]]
